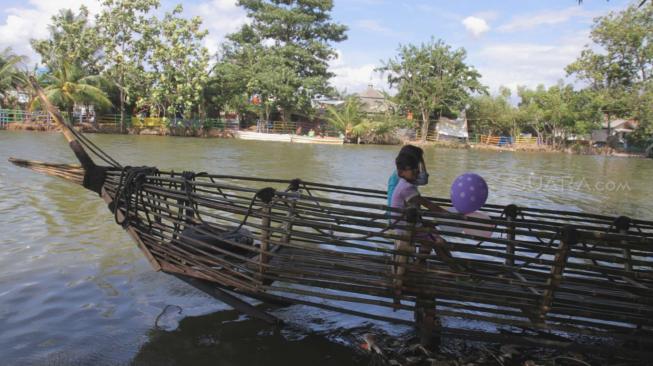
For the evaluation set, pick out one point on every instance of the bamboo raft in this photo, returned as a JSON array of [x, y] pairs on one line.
[[545, 277]]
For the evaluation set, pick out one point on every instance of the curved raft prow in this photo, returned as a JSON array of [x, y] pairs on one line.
[[70, 172], [76, 174]]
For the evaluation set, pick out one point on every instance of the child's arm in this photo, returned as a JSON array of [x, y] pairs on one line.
[[430, 205], [418, 200]]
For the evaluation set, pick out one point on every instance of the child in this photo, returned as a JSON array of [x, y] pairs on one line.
[[406, 195], [422, 179]]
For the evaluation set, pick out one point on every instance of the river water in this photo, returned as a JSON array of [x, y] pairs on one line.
[[74, 289]]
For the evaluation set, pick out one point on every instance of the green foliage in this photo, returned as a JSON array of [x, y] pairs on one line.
[[620, 74], [432, 77], [348, 118], [178, 66], [68, 85], [284, 52], [227, 88], [11, 78], [125, 35], [492, 114], [72, 40]]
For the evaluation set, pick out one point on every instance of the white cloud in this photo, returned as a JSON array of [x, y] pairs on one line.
[[475, 25], [31, 21], [488, 15], [220, 17], [530, 64], [550, 17], [354, 78], [375, 26]]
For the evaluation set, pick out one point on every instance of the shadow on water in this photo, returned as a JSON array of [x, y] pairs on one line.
[[227, 338]]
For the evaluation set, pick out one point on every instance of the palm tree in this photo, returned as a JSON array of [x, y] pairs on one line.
[[10, 77], [347, 119], [68, 85]]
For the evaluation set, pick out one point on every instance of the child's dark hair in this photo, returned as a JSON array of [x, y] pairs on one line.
[[406, 161], [412, 150]]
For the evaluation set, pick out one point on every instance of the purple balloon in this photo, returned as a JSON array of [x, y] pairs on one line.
[[468, 193]]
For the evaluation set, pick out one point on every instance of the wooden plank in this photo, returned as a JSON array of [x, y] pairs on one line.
[[555, 278], [264, 257]]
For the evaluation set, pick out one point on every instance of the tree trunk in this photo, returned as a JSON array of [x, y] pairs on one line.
[[70, 114], [285, 115], [122, 111], [267, 113], [425, 124]]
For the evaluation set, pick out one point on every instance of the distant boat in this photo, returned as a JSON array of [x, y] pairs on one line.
[[259, 136], [284, 137], [317, 140]]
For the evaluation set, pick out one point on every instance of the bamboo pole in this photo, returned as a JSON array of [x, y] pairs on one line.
[[264, 257], [568, 239]]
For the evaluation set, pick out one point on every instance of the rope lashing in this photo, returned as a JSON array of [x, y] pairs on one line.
[[620, 224], [129, 194]]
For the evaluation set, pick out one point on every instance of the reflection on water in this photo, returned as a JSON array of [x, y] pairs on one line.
[[75, 290], [226, 338]]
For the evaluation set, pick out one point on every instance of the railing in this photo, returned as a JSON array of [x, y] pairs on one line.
[[221, 124], [503, 140], [159, 122], [8, 116], [485, 139], [292, 128], [431, 135], [39, 117], [520, 140], [112, 120]]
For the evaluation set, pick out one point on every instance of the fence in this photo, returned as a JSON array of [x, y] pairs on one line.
[[432, 135], [8, 116], [213, 123], [112, 120], [503, 140], [281, 127]]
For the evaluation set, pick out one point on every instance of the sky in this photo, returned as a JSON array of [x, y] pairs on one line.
[[510, 42]]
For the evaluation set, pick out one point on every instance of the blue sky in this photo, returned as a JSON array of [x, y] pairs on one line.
[[511, 42]]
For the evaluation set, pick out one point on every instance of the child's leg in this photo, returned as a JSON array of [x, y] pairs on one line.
[[443, 253], [399, 268]]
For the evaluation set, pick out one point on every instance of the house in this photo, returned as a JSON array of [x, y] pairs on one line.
[[374, 101], [321, 103], [619, 128]]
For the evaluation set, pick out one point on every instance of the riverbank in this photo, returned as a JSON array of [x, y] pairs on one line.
[[577, 149], [573, 150]]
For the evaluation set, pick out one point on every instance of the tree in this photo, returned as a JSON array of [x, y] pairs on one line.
[[68, 85], [223, 86], [72, 40], [11, 78], [432, 77], [126, 37], [619, 72], [493, 114], [557, 112], [179, 66], [347, 118], [289, 41]]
